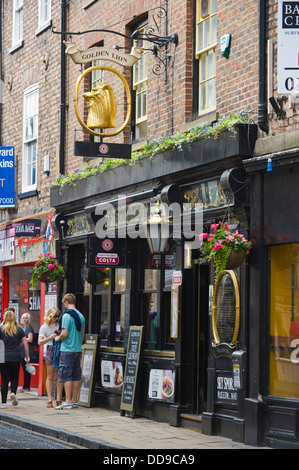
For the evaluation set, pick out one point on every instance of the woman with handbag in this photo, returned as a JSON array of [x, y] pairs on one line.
[[12, 336]]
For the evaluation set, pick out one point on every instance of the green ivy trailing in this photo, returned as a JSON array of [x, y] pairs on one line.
[[177, 141]]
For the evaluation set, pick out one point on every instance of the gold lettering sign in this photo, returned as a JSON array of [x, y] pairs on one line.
[[208, 193]]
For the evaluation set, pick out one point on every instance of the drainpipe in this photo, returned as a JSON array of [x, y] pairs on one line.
[[62, 88], [262, 107]]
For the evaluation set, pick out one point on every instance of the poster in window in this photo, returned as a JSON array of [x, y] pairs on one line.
[[161, 384], [112, 374]]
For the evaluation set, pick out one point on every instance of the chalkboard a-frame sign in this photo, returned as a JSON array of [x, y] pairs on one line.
[[128, 396]]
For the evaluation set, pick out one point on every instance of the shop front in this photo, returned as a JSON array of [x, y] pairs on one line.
[[272, 405], [167, 293], [21, 243]]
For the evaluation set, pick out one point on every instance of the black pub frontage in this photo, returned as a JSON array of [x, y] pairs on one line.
[[184, 378]]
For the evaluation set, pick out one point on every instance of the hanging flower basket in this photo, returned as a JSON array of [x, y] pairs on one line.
[[44, 278], [46, 270], [226, 248], [235, 259]]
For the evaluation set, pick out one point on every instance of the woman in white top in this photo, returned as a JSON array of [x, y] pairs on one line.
[[46, 338]]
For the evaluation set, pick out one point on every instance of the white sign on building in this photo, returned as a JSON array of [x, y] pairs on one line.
[[288, 47]]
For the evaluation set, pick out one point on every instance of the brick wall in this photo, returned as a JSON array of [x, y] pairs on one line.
[[169, 104]]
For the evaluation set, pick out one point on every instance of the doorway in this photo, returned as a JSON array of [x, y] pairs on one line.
[[202, 338]]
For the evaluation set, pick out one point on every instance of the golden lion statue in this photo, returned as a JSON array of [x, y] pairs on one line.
[[102, 107]]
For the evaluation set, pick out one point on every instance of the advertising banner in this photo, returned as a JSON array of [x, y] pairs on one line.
[[288, 47], [7, 177]]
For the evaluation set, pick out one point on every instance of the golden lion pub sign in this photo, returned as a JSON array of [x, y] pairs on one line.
[[101, 101]]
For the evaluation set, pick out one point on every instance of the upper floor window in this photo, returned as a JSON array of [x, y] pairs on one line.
[[17, 28], [140, 87], [44, 12], [30, 135], [206, 39]]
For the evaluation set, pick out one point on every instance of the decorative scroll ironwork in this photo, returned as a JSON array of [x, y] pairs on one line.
[[160, 47]]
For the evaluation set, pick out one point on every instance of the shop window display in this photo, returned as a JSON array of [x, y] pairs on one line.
[[284, 321]]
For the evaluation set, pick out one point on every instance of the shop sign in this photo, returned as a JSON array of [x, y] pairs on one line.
[[28, 228], [7, 244], [7, 179], [208, 193], [288, 50], [177, 278], [106, 252], [34, 303], [103, 53], [225, 389]]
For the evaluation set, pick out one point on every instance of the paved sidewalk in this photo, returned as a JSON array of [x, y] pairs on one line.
[[98, 428]]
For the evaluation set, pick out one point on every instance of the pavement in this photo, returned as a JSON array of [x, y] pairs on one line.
[[99, 428]]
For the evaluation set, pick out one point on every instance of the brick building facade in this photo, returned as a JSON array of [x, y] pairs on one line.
[[231, 176]]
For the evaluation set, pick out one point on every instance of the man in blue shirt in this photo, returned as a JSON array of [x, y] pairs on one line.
[[71, 337]]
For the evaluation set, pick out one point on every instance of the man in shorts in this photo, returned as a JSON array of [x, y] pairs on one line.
[[71, 337]]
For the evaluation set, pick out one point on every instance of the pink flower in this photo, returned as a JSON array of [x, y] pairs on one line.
[[218, 246], [50, 266], [202, 236]]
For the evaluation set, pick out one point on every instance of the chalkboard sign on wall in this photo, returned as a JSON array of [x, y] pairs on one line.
[[128, 397]]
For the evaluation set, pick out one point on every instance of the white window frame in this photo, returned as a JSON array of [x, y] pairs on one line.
[[140, 85], [205, 52], [44, 13], [30, 141], [17, 22]]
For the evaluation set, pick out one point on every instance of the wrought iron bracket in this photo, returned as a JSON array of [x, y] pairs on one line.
[[160, 44]]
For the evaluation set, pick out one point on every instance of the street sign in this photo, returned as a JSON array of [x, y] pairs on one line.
[[101, 149], [7, 176], [288, 47]]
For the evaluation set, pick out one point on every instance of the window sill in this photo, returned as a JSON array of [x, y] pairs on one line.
[[16, 47], [43, 27], [27, 194]]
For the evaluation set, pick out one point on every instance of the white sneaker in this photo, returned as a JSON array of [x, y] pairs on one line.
[[74, 404], [14, 399], [64, 406], [4, 405]]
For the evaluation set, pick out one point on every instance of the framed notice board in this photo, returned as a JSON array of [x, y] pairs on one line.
[[89, 352], [128, 397]]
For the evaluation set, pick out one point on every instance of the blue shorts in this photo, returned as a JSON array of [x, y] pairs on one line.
[[69, 367]]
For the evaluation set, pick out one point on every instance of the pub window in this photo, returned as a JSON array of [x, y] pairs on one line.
[[112, 291], [140, 88], [284, 321], [156, 299], [206, 40]]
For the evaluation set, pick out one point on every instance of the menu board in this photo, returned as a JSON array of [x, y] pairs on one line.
[[89, 351], [128, 396]]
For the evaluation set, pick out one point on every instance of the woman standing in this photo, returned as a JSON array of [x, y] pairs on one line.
[[46, 337], [12, 335], [29, 332]]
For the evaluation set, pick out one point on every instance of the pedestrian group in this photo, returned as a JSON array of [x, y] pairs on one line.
[[61, 335]]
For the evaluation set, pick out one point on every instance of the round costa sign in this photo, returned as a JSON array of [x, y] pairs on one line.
[[103, 148], [107, 245]]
